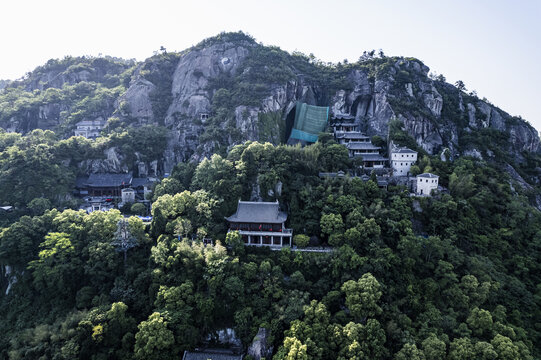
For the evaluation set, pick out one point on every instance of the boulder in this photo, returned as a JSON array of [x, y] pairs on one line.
[[260, 348]]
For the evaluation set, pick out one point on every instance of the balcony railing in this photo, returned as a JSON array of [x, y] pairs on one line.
[[284, 232]]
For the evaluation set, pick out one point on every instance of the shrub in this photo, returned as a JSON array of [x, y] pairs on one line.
[[301, 240]]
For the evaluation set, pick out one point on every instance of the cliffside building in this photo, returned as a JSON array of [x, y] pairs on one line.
[[261, 224], [426, 183], [401, 161], [342, 127], [105, 184], [351, 137], [89, 129]]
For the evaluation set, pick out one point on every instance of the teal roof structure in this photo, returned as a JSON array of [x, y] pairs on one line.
[[310, 120]]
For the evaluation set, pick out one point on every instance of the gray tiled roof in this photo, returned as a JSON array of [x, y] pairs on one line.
[[404, 151], [210, 355], [373, 157], [81, 181], [428, 175], [91, 122], [332, 174], [352, 135], [140, 182], [258, 212], [343, 117], [109, 180], [362, 146]]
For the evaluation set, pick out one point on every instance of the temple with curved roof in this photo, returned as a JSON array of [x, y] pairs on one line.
[[260, 223]]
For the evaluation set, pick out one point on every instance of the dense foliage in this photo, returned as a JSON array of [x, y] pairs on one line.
[[39, 169], [455, 276]]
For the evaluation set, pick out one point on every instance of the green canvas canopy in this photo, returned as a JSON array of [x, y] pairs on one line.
[[310, 120]]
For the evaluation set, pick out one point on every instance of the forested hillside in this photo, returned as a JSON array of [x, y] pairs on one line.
[[455, 275]]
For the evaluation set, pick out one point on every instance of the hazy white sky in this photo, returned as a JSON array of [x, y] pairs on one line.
[[493, 46]]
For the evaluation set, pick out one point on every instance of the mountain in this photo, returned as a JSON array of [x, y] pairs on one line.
[[386, 275], [248, 91]]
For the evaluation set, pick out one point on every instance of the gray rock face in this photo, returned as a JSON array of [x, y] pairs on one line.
[[246, 119], [137, 98], [402, 91], [471, 116], [433, 101], [260, 349], [193, 73], [473, 153], [57, 79], [370, 103], [112, 163], [525, 138], [191, 96]]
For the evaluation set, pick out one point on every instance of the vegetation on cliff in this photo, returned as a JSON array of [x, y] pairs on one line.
[[454, 276], [451, 276]]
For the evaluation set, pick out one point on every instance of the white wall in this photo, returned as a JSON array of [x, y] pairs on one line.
[[401, 163], [426, 185], [128, 196]]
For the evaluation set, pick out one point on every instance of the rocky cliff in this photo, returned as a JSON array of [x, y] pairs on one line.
[[229, 89]]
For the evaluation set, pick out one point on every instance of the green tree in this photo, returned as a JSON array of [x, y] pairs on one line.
[[234, 240], [154, 340], [331, 224], [409, 352], [433, 348], [301, 240], [138, 209], [39, 205], [295, 350], [505, 348], [169, 186], [461, 348], [53, 269], [480, 321], [362, 296]]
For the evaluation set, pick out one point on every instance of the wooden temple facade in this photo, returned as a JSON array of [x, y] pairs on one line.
[[261, 224]]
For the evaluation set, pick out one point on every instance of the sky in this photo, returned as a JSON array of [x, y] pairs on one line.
[[492, 46]]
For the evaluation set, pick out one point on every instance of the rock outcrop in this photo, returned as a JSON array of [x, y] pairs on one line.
[[260, 347], [377, 91], [113, 162]]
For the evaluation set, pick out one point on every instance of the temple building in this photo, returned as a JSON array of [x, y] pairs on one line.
[[90, 129], [107, 184], [401, 161], [341, 127], [351, 137], [368, 152], [261, 224], [426, 183]]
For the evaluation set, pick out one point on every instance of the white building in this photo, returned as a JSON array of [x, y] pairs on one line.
[[89, 129], [128, 195], [401, 161], [426, 183]]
